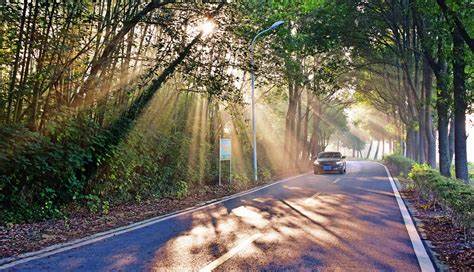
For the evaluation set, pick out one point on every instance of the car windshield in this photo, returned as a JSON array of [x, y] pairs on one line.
[[326, 155]]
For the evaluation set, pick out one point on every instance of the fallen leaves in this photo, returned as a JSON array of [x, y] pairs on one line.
[[449, 241]]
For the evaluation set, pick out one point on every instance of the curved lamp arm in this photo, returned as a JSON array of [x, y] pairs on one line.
[[275, 25]]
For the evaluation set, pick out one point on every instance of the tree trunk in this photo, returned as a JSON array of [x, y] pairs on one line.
[[451, 144], [439, 67], [428, 90], [383, 147], [411, 145], [298, 132], [370, 149], [460, 107], [13, 76], [304, 136], [421, 139], [377, 150], [290, 123], [442, 106], [40, 64], [315, 149]]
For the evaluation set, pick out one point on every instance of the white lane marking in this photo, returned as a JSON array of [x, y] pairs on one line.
[[58, 248], [420, 251], [241, 246], [311, 198], [336, 180]]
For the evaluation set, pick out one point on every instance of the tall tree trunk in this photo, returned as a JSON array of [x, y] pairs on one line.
[[439, 67], [428, 90], [411, 145], [298, 132], [11, 87], [377, 150], [421, 146], [290, 122], [315, 149], [40, 64], [451, 143], [370, 149], [304, 136], [383, 147], [442, 106], [27, 59], [460, 107]]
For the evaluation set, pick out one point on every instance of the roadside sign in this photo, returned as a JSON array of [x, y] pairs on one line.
[[225, 150], [225, 154]]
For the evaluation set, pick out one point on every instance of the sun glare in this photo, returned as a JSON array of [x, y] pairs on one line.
[[207, 27]]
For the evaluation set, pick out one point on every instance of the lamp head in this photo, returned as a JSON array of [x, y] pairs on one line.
[[276, 24]]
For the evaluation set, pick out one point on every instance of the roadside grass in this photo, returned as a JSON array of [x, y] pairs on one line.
[[398, 164], [453, 196]]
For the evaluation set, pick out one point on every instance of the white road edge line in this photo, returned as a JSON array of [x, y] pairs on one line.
[[58, 248], [420, 251], [229, 254]]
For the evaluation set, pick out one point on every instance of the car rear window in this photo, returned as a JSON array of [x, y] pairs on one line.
[[330, 155]]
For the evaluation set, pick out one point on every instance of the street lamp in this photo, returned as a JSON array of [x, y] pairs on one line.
[[254, 132]]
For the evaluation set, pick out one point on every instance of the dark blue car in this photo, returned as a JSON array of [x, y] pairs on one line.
[[330, 162]]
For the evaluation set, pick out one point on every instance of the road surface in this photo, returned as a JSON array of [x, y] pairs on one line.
[[348, 222]]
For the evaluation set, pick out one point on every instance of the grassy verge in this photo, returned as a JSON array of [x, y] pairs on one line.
[[398, 164], [455, 198]]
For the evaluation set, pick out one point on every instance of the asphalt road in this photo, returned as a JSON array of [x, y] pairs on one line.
[[328, 222]]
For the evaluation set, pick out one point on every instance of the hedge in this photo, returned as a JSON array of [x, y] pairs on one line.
[[400, 165], [456, 197]]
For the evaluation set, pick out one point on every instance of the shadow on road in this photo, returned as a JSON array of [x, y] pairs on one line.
[[305, 224]]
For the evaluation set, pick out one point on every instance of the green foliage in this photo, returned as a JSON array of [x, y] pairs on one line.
[[401, 165], [454, 195], [39, 174], [145, 167], [265, 174], [470, 167]]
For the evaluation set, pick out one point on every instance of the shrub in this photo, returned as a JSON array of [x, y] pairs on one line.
[[400, 165], [41, 173], [456, 197]]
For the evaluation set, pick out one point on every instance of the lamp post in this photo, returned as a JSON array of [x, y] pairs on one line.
[[254, 128]]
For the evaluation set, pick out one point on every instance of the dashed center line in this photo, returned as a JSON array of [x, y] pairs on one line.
[[241, 246]]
